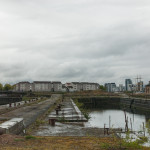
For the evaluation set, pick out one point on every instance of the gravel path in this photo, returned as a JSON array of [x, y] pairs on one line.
[[31, 113]]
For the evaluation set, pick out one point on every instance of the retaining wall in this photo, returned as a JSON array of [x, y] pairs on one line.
[[7, 100], [13, 126], [135, 103], [116, 102]]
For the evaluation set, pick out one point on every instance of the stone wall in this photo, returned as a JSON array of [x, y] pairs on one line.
[[136, 103]]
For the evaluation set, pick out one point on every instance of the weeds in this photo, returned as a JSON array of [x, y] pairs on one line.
[[28, 137], [82, 109]]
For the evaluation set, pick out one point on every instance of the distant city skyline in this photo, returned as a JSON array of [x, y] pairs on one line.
[[99, 41], [101, 83]]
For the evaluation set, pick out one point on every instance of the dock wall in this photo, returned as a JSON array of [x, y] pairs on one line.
[[135, 103], [8, 100], [116, 102]]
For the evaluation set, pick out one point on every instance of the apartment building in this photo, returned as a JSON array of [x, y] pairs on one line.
[[41, 86], [69, 87], [81, 86], [76, 86], [56, 86], [86, 86], [110, 87], [22, 86], [147, 88]]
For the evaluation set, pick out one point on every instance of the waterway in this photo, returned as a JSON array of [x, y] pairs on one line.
[[115, 118]]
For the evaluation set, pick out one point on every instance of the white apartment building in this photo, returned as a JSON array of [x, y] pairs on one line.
[[56, 86], [41, 86], [22, 86], [76, 86], [81, 86]]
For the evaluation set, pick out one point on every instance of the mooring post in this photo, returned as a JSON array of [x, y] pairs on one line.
[[57, 111], [52, 122], [104, 129], [144, 129], [9, 104], [131, 123], [14, 104], [109, 122]]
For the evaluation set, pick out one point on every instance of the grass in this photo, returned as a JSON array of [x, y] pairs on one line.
[[28, 137], [71, 143], [84, 111]]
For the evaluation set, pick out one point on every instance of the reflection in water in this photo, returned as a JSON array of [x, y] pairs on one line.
[[117, 119]]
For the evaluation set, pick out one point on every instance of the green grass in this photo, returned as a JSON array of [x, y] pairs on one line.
[[28, 137]]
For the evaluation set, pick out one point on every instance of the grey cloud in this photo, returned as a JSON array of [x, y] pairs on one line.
[[94, 40]]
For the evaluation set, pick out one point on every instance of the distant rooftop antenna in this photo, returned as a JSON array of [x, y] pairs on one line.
[[138, 78]]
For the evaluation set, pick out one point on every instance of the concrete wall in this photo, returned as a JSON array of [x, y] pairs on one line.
[[116, 102], [7, 100], [13, 126], [97, 102], [135, 103]]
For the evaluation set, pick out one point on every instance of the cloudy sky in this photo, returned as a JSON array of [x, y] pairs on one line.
[[74, 40]]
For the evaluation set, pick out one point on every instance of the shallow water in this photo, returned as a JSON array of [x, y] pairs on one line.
[[117, 119]]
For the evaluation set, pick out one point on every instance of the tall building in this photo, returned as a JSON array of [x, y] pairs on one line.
[[147, 88], [110, 87], [121, 88], [128, 84], [140, 87]]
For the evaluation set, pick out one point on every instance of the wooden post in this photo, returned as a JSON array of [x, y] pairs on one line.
[[109, 122], [104, 129], [131, 124], [57, 111], [52, 122], [144, 129]]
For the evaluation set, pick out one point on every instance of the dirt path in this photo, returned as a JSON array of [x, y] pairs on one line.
[[31, 113]]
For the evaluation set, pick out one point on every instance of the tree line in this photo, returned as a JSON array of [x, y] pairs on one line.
[[6, 87]]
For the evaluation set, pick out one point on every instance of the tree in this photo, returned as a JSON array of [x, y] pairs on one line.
[[102, 88], [1, 87], [7, 87]]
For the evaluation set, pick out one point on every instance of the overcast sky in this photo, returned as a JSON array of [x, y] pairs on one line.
[[74, 40]]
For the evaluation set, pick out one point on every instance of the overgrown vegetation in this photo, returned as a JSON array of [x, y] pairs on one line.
[[84, 110], [71, 143], [30, 137]]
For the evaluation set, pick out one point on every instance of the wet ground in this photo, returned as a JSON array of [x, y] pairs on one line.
[[68, 129]]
